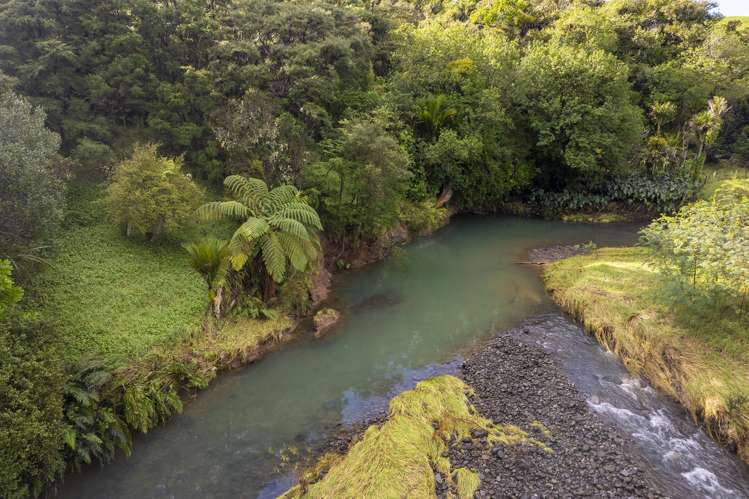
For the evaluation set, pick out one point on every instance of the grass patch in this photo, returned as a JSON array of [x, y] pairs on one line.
[[725, 175], [691, 350], [238, 342], [119, 298], [398, 458]]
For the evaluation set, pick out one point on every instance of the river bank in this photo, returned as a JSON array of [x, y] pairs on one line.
[[698, 359], [562, 448], [403, 319]]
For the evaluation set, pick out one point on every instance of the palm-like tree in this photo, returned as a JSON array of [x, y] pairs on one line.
[[210, 258], [278, 227], [434, 112]]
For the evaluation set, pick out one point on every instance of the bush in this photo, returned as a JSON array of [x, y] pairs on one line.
[[362, 183], [423, 217], [705, 246], [149, 195], [32, 187], [663, 194], [10, 294], [31, 424], [93, 157]]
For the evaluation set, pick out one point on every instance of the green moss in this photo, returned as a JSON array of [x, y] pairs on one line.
[[397, 459], [695, 353]]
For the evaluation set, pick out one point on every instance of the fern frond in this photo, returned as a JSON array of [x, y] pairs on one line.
[[295, 250], [281, 195], [220, 210], [301, 212], [290, 226], [250, 191], [252, 230], [274, 257], [239, 260]]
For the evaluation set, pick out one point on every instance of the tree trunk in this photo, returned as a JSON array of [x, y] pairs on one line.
[[269, 288], [217, 298]]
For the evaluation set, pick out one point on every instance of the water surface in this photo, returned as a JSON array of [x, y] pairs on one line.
[[682, 459], [405, 319]]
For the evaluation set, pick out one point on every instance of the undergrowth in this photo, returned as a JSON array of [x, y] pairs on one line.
[[114, 297]]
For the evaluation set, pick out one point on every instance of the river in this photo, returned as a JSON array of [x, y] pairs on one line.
[[407, 318]]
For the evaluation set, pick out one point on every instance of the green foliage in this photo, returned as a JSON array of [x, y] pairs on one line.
[[362, 183], [92, 158], [210, 258], [31, 177], [581, 110], [434, 113], [706, 245], [254, 308], [277, 226], [114, 296], [450, 85], [31, 419], [424, 217], [638, 192], [10, 294], [149, 195], [294, 294]]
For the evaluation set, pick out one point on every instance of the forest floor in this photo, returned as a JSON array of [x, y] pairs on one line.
[[697, 354]]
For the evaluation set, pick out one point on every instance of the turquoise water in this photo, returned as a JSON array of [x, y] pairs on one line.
[[405, 319]]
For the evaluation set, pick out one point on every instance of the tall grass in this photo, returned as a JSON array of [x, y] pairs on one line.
[[696, 354]]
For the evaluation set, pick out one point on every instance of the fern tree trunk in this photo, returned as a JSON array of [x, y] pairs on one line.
[[269, 287]]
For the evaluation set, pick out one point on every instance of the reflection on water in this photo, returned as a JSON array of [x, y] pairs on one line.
[[404, 321]]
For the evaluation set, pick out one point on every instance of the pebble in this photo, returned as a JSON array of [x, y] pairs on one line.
[[519, 384]]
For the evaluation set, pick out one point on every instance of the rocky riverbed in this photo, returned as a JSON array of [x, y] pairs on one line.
[[574, 453], [520, 384]]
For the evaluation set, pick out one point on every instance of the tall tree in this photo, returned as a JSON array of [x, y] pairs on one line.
[[32, 187]]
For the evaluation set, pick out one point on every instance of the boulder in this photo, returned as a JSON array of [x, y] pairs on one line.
[[324, 320]]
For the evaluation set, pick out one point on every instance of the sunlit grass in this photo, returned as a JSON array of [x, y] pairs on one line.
[[690, 348], [113, 297], [398, 458]]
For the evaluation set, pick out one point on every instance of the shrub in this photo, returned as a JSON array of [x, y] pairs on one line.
[[93, 157], [706, 246], [149, 195], [10, 294], [32, 187], [663, 194], [31, 425], [424, 217]]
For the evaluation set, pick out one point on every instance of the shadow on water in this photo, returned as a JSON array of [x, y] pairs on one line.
[[405, 320]]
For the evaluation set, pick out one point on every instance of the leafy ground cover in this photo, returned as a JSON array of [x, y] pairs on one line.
[[726, 175], [117, 297], [696, 353]]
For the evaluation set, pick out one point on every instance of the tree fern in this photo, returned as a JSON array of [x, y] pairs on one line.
[[278, 229], [274, 257]]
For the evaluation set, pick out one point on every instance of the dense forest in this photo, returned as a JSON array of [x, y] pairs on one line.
[[327, 124]]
